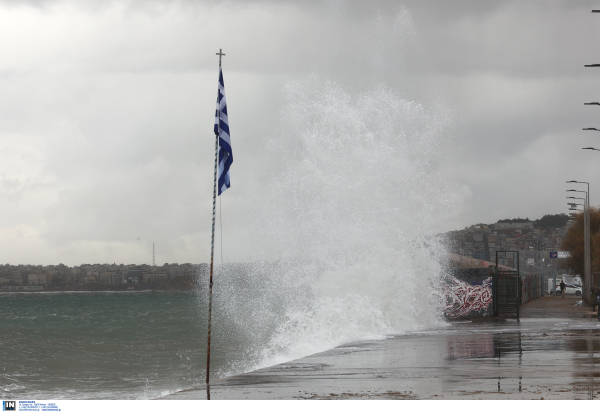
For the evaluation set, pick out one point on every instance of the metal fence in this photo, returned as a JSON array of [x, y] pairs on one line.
[[535, 262]]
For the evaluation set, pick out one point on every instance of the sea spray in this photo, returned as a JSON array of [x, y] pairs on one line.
[[343, 219]]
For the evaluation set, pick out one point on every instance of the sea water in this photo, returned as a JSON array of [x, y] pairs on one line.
[[108, 345]]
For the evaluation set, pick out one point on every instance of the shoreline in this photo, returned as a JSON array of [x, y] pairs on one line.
[[94, 291], [179, 283]]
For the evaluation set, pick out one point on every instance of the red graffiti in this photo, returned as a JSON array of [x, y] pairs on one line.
[[462, 298]]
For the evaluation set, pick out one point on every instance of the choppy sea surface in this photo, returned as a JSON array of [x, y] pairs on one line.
[[106, 345]]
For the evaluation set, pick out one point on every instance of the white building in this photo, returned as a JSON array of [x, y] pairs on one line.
[[36, 279]]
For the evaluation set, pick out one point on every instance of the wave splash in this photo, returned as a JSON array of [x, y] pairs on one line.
[[345, 214]]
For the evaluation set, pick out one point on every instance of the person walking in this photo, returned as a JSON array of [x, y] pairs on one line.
[[562, 288]]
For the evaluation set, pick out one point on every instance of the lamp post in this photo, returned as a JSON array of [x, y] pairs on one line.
[[579, 198], [538, 244], [587, 280], [586, 215], [586, 237]]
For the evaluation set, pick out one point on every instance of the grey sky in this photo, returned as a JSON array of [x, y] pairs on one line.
[[107, 108]]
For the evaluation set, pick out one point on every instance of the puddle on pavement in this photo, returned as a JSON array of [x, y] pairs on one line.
[[527, 356]]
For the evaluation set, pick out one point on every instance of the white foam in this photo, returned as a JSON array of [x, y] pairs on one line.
[[347, 210]]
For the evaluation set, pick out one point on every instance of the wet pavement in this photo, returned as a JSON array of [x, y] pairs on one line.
[[571, 306], [540, 357]]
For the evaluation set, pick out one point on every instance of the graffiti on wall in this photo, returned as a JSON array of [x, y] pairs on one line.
[[531, 287], [463, 298]]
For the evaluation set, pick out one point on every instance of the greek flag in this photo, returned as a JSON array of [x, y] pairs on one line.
[[222, 130]]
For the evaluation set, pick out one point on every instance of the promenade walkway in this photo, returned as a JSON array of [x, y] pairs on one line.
[[550, 354], [570, 306]]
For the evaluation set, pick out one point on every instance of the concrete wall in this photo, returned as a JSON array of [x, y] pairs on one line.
[[531, 287], [468, 262], [469, 295], [469, 288]]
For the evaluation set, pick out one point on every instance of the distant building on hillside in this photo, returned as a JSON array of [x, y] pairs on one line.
[[519, 225], [37, 279]]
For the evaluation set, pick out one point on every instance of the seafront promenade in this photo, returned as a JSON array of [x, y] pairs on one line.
[[551, 353]]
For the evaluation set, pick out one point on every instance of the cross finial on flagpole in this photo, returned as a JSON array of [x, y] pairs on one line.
[[220, 53]]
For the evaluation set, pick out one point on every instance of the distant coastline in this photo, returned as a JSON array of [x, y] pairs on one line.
[[181, 283]]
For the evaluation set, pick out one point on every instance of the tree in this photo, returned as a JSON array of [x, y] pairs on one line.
[[517, 220], [555, 221], [573, 243]]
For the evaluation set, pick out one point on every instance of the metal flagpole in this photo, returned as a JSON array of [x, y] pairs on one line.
[[212, 251]]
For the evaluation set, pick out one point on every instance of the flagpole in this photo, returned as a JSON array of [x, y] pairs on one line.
[[212, 251], [229, 159]]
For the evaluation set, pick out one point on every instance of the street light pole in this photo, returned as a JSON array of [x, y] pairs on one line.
[[541, 264], [586, 239]]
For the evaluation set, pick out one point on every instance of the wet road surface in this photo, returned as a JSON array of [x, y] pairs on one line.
[[571, 306], [537, 358]]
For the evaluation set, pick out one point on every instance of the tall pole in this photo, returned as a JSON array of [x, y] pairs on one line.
[[212, 248], [587, 255], [212, 254], [588, 274], [543, 281], [586, 249], [554, 285]]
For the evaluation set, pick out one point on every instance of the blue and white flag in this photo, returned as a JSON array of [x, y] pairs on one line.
[[222, 130]]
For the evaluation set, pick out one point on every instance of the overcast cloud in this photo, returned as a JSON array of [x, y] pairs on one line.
[[106, 109]]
